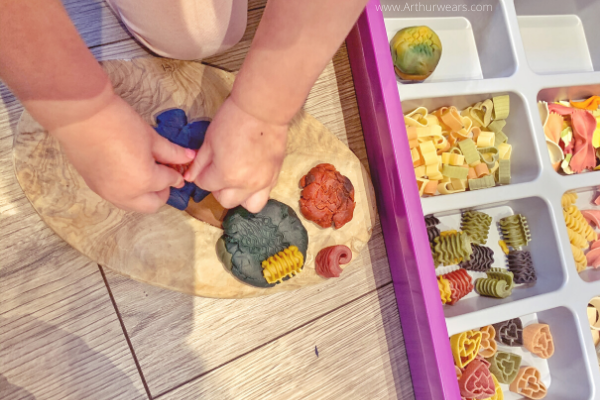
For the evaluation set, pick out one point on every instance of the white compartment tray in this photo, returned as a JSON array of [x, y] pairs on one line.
[[522, 51]]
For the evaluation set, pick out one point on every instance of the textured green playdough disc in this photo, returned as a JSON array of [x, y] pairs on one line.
[[249, 239]]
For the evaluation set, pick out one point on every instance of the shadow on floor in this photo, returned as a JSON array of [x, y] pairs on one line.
[[39, 360]]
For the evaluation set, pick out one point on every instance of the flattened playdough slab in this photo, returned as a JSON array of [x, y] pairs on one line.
[[171, 248]]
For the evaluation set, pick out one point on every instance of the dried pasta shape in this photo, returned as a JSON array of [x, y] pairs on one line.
[[579, 257], [465, 347], [285, 264], [499, 283], [505, 366], [433, 231], [476, 224], [515, 231], [576, 221], [537, 338], [568, 199], [482, 183], [498, 395], [529, 383], [576, 239], [521, 265], [476, 381], [451, 249], [510, 332], [488, 344], [445, 291], [461, 284], [481, 259]]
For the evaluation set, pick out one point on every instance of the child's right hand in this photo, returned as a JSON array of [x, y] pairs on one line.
[[116, 152]]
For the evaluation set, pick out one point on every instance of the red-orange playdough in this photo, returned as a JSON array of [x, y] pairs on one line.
[[327, 197]]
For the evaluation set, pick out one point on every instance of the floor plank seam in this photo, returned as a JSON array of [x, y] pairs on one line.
[[135, 359], [271, 341], [109, 43]]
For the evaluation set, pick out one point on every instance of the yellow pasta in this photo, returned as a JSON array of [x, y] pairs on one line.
[[575, 220], [420, 171], [485, 139], [576, 239], [568, 199], [504, 151], [286, 263], [429, 153], [580, 260], [445, 291], [447, 145]]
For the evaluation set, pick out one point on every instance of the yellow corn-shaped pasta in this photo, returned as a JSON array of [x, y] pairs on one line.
[[284, 264]]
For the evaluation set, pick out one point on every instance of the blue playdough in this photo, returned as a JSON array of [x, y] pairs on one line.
[[173, 126]]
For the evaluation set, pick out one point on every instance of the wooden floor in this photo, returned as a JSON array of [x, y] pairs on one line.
[[70, 329]]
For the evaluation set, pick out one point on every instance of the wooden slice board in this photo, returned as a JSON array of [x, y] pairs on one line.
[[171, 248]]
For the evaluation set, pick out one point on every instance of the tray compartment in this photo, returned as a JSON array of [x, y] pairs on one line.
[[475, 44], [565, 373], [524, 166], [585, 199], [546, 259], [560, 36]]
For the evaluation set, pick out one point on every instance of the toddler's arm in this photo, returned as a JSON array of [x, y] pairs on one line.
[[245, 144], [49, 68]]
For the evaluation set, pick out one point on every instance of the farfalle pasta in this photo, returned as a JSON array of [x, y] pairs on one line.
[[454, 151], [572, 134]]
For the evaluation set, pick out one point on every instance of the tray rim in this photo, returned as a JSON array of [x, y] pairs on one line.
[[413, 275]]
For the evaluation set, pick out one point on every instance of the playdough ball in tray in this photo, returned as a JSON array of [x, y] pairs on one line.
[[416, 51], [249, 239]]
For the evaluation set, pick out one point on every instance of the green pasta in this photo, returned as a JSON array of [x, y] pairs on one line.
[[476, 225], [487, 151], [469, 150], [451, 249], [499, 283], [456, 172], [502, 274], [501, 107], [515, 231], [482, 183], [504, 172]]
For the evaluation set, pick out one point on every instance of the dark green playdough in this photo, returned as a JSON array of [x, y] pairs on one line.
[[249, 239]]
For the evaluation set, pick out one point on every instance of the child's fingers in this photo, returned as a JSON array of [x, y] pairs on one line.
[[257, 201], [149, 203], [211, 179], [201, 162], [164, 177], [170, 153], [230, 198]]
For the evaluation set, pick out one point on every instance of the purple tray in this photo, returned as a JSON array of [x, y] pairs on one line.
[[399, 204]]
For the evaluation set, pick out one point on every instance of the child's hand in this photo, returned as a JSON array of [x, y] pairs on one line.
[[240, 159], [115, 151]]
